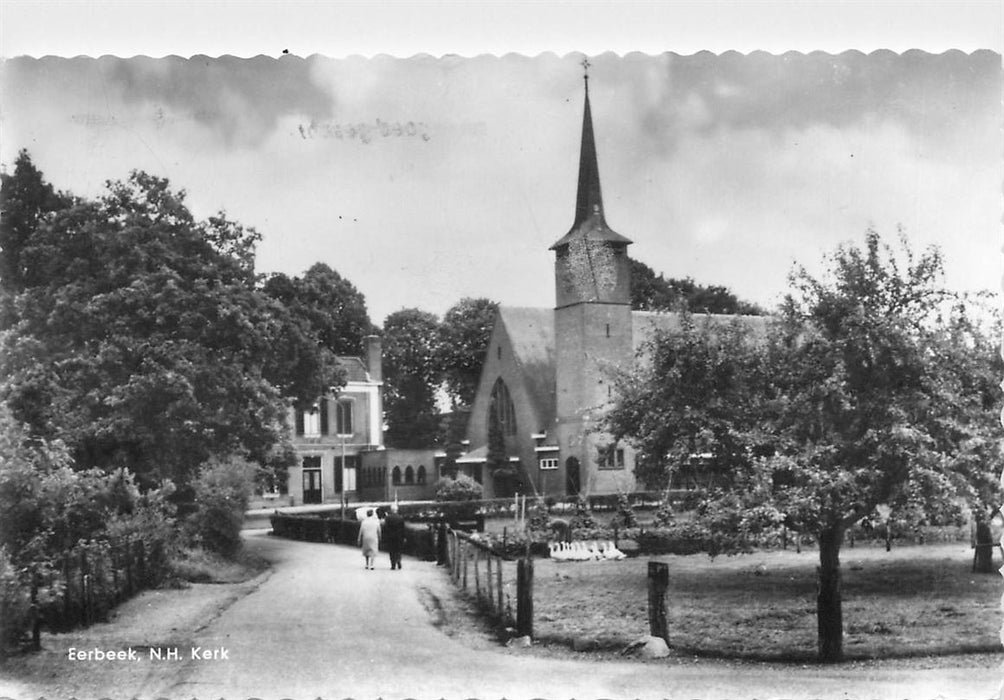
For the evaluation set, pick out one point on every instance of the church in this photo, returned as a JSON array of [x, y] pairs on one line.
[[534, 424], [546, 378]]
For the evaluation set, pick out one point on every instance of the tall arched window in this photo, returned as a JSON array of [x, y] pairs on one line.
[[409, 475], [500, 409]]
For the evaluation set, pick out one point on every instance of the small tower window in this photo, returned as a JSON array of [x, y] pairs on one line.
[[608, 330], [498, 352]]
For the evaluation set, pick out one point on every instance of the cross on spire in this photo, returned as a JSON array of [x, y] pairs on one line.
[[585, 70]]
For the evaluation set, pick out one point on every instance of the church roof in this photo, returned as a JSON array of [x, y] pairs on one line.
[[589, 221], [645, 323], [531, 333]]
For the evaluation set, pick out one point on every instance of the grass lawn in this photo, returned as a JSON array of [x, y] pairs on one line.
[[915, 600]]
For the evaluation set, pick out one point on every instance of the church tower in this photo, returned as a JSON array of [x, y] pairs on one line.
[[592, 323]]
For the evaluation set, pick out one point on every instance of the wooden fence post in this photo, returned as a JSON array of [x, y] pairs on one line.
[[463, 548], [36, 616], [141, 562], [658, 583], [488, 580], [442, 546], [117, 594], [524, 597], [498, 580], [477, 575], [68, 593], [85, 593], [130, 569], [455, 553]]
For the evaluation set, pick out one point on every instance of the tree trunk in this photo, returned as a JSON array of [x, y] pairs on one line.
[[829, 611], [983, 560]]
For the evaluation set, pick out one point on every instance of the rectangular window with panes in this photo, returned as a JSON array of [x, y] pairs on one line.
[[612, 458], [549, 463], [343, 418], [312, 422]]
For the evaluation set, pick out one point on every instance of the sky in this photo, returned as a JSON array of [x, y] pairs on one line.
[[424, 180]]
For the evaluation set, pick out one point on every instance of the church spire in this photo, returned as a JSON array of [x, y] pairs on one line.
[[589, 220], [589, 201]]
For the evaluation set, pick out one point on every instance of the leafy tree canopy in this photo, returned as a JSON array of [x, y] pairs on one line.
[[330, 304], [466, 330], [873, 386], [25, 198], [138, 336], [651, 292], [412, 348]]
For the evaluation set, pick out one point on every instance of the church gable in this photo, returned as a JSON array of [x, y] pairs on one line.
[[520, 360]]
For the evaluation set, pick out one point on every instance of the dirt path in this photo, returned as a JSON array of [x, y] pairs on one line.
[[319, 625]]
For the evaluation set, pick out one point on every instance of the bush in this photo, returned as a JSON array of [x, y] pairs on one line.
[[678, 538], [222, 490], [583, 518], [664, 515], [463, 488], [625, 516]]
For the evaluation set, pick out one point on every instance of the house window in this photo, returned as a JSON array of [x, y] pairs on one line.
[[549, 463], [343, 418], [420, 476], [395, 476], [500, 409], [611, 458], [311, 422], [409, 475]]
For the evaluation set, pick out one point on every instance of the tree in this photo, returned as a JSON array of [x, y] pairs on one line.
[[141, 340], [466, 331], [858, 395], [333, 308], [454, 432], [25, 200], [970, 355], [412, 376], [694, 395], [650, 292]]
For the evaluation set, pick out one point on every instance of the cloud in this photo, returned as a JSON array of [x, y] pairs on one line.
[[238, 101], [929, 94]]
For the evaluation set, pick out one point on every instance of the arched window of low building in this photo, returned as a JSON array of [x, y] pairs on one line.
[[409, 475], [395, 476], [420, 476]]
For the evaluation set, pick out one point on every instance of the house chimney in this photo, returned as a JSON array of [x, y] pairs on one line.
[[374, 357]]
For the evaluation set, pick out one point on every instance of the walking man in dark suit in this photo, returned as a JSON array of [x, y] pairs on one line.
[[393, 536]]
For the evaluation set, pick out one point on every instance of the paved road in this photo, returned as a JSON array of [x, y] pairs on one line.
[[322, 626]]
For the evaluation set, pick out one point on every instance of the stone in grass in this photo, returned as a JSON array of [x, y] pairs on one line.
[[523, 642], [647, 647]]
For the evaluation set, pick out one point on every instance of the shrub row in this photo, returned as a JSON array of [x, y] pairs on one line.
[[420, 539]]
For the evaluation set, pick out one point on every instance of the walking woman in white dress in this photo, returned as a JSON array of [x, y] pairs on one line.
[[369, 537]]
